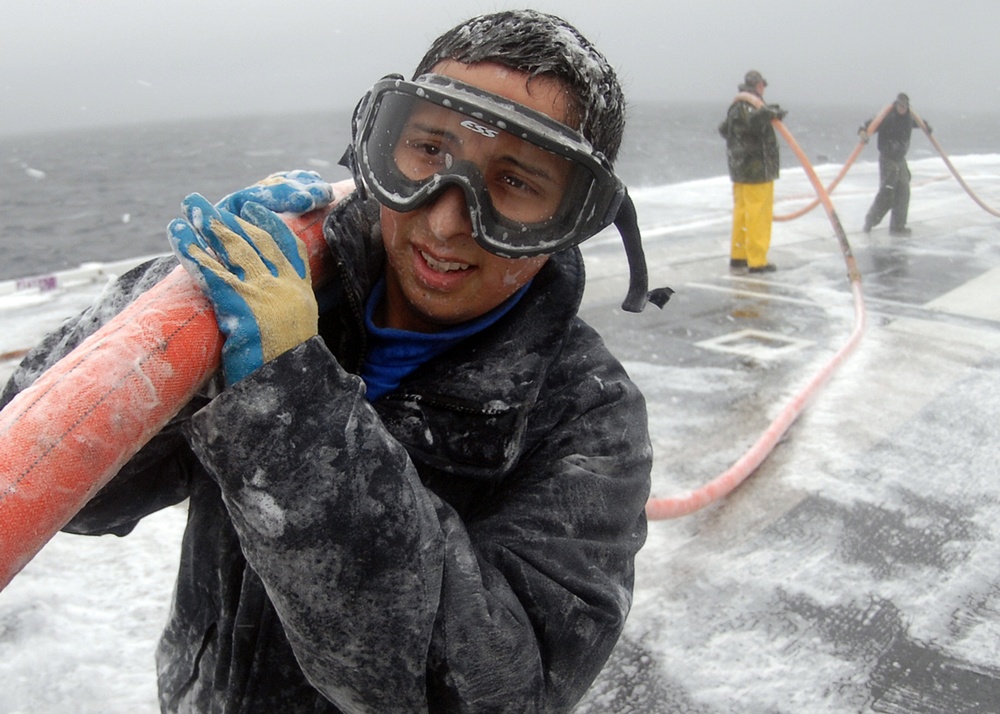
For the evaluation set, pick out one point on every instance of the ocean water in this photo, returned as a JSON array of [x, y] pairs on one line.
[[106, 194]]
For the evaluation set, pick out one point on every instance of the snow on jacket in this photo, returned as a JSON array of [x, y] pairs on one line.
[[894, 134], [465, 544], [751, 144]]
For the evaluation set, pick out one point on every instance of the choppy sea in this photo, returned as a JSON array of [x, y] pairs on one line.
[[106, 194]]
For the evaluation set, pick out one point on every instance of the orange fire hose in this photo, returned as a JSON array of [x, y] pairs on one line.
[[66, 435], [722, 485], [869, 130], [923, 125]]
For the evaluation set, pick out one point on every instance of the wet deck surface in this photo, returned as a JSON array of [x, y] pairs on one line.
[[856, 570]]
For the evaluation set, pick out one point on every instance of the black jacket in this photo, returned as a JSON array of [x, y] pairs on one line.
[[464, 544], [751, 145], [894, 134]]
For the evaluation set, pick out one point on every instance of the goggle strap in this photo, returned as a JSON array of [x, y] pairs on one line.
[[627, 223], [350, 162], [350, 158]]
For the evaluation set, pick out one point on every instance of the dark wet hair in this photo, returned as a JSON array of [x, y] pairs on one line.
[[541, 44]]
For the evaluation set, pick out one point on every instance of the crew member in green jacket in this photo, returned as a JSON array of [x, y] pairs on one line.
[[752, 154]]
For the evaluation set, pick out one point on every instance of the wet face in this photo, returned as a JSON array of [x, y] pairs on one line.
[[436, 273]]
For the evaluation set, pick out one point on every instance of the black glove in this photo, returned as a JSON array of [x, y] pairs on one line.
[[776, 111]]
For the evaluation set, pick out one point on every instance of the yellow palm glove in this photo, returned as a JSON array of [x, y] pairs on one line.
[[255, 272]]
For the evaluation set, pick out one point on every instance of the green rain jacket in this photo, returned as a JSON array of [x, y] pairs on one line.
[[751, 144]]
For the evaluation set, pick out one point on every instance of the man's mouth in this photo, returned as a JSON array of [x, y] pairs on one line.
[[443, 266]]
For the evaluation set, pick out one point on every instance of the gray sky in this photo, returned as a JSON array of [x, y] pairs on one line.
[[67, 63]]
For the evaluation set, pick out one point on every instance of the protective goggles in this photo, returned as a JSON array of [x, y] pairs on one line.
[[532, 185]]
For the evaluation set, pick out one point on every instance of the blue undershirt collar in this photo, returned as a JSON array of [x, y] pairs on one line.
[[393, 354]]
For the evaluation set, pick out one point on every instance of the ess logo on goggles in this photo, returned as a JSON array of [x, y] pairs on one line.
[[480, 129]]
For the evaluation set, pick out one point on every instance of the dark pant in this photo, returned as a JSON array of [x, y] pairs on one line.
[[893, 194]]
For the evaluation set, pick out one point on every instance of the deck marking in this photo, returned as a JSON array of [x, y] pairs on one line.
[[757, 344]]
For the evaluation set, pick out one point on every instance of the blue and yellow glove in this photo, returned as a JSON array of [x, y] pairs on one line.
[[255, 272], [285, 192]]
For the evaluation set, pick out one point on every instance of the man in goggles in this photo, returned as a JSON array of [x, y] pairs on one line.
[[423, 491]]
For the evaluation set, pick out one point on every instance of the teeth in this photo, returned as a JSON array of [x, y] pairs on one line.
[[443, 266]]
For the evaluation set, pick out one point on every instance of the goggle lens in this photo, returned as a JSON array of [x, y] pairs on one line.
[[523, 183]]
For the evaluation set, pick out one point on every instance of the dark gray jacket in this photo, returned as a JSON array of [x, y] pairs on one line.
[[894, 134], [465, 544], [751, 145]]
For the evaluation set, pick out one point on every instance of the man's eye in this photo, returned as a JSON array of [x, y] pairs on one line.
[[517, 183]]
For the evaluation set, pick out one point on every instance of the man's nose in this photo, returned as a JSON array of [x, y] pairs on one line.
[[448, 215]]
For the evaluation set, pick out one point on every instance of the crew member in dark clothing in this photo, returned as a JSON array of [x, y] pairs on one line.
[[423, 487], [894, 175]]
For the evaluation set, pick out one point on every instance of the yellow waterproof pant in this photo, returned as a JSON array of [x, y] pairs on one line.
[[753, 208]]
